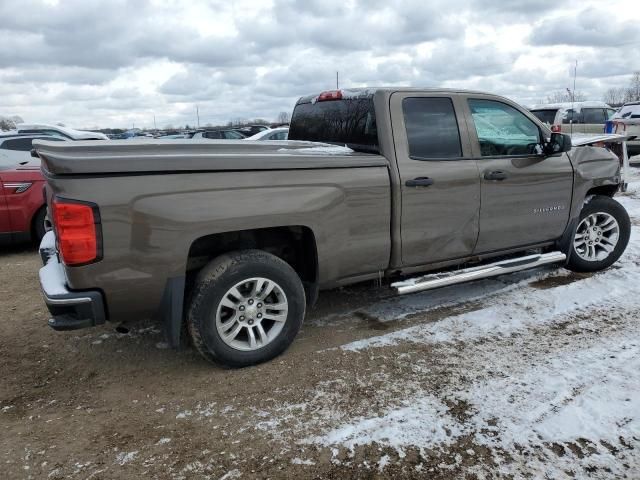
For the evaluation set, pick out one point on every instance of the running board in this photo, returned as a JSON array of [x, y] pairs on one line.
[[437, 280]]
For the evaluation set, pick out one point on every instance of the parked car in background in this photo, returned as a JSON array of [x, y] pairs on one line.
[[57, 131], [576, 117], [16, 146], [18, 142], [271, 134], [251, 130], [175, 136], [218, 134], [627, 122], [22, 207]]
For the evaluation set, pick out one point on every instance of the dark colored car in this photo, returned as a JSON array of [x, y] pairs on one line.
[[251, 130], [218, 134]]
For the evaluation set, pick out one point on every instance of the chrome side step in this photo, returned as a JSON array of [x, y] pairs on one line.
[[437, 280]]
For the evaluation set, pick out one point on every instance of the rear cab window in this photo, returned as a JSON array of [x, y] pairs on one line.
[[20, 144], [349, 120], [594, 115], [546, 116]]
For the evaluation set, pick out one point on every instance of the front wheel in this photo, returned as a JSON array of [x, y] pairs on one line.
[[601, 237], [246, 308]]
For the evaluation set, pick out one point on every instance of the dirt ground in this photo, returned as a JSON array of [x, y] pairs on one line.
[[340, 402]]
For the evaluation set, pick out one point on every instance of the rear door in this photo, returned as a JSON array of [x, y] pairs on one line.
[[525, 196], [594, 119], [572, 122], [439, 178]]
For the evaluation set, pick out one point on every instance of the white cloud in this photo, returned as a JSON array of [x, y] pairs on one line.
[[115, 63]]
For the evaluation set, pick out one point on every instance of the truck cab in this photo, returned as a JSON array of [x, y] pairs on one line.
[[235, 239]]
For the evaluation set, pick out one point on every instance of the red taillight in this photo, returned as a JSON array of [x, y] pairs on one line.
[[76, 227], [556, 128], [330, 95]]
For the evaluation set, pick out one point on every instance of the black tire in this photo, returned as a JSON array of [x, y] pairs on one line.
[[602, 204], [38, 224], [212, 284]]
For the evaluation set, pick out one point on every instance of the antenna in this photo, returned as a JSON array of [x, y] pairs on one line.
[[573, 96], [198, 115]]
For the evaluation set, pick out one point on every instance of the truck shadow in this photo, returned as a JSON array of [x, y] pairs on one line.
[[18, 249]]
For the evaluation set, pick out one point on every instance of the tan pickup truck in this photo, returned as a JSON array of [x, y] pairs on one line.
[[235, 239]]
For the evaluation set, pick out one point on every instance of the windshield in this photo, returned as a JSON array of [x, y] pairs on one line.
[[350, 122], [628, 111], [546, 116]]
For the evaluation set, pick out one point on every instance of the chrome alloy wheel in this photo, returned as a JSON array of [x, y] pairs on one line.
[[252, 314], [596, 237]]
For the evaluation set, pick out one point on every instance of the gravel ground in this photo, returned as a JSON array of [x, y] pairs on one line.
[[530, 375]]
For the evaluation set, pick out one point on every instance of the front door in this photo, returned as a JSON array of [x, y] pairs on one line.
[[438, 178], [525, 196], [5, 222]]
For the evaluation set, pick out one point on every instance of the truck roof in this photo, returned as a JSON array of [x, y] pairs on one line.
[[349, 93]]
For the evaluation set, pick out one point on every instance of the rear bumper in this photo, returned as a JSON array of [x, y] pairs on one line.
[[70, 310]]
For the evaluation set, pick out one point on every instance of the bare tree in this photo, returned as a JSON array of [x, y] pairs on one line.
[[561, 96], [633, 92], [6, 124], [283, 117], [614, 96]]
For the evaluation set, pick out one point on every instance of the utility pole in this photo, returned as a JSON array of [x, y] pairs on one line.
[[198, 115], [154, 122], [337, 80], [573, 96]]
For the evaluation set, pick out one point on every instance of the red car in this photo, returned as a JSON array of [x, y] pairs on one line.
[[22, 208]]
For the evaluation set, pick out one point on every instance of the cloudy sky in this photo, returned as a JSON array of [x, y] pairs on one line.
[[115, 63]]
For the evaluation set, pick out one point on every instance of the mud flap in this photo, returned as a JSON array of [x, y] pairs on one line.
[[171, 309], [564, 243]]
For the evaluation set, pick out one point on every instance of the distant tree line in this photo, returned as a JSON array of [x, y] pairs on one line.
[[630, 93], [613, 96], [9, 123]]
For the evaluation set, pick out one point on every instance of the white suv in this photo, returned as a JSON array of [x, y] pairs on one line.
[[627, 121], [577, 117]]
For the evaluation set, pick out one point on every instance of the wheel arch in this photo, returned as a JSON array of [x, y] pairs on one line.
[[294, 244]]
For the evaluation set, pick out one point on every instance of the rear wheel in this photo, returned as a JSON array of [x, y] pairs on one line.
[[246, 308], [601, 237], [39, 224]]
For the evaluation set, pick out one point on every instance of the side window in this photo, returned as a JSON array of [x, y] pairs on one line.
[[21, 144], [593, 115], [503, 130], [432, 129], [610, 113], [231, 135], [279, 136], [212, 135], [571, 116]]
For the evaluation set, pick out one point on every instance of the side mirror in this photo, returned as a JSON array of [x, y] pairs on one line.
[[34, 154], [559, 142]]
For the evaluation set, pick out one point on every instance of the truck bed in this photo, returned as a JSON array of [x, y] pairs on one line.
[[145, 156]]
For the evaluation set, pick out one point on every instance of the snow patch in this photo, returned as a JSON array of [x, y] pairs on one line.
[[125, 457], [320, 150]]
